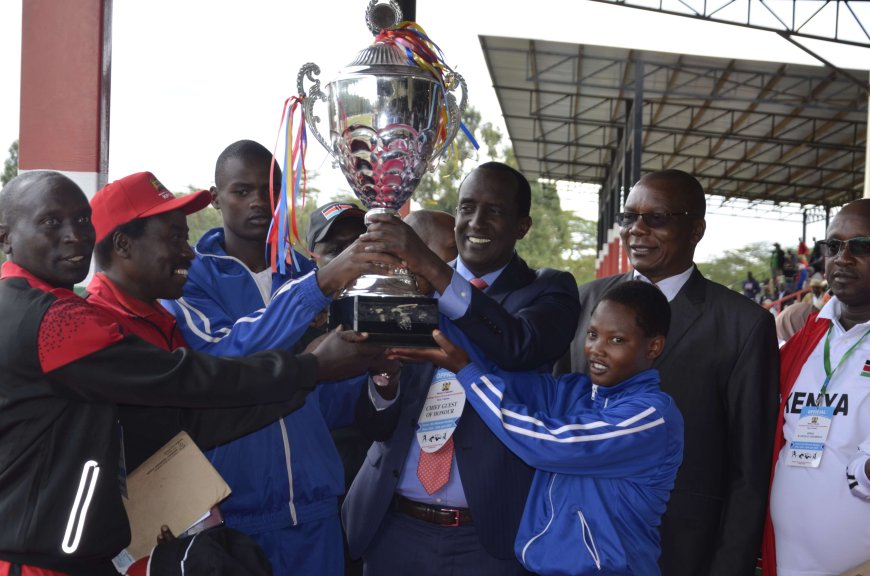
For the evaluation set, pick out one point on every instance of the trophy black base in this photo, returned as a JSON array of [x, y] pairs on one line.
[[400, 321]]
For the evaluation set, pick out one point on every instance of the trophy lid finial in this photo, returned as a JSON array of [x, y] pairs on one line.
[[380, 16]]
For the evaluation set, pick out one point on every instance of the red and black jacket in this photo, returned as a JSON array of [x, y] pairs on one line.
[[65, 365]]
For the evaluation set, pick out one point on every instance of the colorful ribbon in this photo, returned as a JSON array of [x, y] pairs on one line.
[[423, 52], [283, 233]]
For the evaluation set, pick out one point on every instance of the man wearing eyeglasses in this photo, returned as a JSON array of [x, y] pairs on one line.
[[820, 495], [720, 364]]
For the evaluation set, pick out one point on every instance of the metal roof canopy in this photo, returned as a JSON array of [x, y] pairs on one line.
[[758, 134]]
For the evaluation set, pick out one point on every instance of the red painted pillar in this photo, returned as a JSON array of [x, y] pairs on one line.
[[65, 89], [623, 255]]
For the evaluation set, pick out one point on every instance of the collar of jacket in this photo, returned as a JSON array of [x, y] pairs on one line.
[[645, 379]]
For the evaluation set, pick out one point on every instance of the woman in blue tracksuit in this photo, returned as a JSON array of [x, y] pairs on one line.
[[606, 445]]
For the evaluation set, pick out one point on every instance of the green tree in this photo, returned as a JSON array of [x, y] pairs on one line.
[[10, 166], [582, 249], [731, 267], [558, 239]]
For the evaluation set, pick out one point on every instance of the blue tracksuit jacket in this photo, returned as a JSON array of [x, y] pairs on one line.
[[289, 473], [606, 460]]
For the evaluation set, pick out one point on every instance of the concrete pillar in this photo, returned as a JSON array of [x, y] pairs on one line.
[[65, 89]]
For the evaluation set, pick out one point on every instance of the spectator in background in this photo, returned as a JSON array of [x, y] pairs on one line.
[[789, 270], [817, 295], [803, 273], [816, 260], [802, 249], [792, 319], [782, 291], [777, 260], [751, 287]]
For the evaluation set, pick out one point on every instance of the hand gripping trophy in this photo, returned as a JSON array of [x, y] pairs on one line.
[[392, 115]]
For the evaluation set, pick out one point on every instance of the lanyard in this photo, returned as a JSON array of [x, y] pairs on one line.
[[828, 372]]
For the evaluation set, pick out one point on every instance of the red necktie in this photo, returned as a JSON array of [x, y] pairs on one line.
[[433, 470]]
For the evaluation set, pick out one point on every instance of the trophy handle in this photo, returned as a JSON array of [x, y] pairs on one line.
[[461, 81], [454, 116], [311, 70]]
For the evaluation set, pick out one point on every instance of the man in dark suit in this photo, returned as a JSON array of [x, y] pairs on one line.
[[395, 516], [720, 364]]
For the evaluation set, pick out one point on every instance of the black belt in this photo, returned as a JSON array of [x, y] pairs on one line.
[[435, 514]]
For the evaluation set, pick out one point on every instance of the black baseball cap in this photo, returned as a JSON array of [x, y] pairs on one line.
[[325, 216]]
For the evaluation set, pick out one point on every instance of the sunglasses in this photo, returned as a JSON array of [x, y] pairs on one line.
[[651, 219], [859, 246]]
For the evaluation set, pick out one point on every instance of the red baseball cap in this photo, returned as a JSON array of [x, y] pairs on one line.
[[138, 196]]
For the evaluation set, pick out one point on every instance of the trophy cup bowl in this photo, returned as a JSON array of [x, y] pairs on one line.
[[389, 122]]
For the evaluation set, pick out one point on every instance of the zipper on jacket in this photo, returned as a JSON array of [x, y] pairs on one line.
[[252, 275], [588, 541], [75, 526], [547, 527], [286, 440]]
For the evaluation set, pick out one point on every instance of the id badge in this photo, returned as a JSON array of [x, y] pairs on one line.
[[441, 411], [808, 445]]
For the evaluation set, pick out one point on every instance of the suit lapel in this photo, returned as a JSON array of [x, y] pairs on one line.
[[515, 275], [686, 309]]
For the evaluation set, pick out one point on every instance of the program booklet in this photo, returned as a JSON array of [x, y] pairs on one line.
[[177, 486]]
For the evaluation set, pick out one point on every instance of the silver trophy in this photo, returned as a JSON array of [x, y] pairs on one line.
[[389, 122]]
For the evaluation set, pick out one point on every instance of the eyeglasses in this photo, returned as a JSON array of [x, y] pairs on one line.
[[859, 246], [651, 219]]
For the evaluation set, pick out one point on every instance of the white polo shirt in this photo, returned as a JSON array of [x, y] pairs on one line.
[[821, 527]]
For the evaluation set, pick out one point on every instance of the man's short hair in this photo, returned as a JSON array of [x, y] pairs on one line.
[[689, 187], [651, 309], [15, 189], [523, 190], [248, 149]]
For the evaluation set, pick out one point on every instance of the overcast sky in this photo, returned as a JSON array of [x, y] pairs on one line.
[[191, 76]]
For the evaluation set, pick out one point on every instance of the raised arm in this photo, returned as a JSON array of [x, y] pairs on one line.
[[209, 327], [563, 437], [527, 336]]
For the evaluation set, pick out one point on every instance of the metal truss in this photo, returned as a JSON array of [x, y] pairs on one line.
[[841, 21], [838, 21], [764, 133]]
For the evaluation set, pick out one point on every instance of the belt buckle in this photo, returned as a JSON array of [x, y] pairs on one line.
[[456, 513]]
